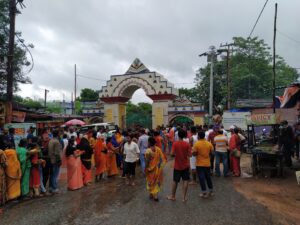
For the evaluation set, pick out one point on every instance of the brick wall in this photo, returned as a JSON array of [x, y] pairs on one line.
[[291, 114]]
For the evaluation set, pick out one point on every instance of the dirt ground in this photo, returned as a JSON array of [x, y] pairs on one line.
[[280, 195]]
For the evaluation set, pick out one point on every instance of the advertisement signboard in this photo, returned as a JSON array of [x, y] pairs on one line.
[[20, 130], [261, 119], [18, 116], [235, 118]]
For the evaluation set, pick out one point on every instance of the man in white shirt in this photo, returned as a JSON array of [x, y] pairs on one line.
[[72, 133], [131, 154], [193, 140]]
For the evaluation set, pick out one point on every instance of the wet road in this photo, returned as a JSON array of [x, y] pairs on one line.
[[111, 202]]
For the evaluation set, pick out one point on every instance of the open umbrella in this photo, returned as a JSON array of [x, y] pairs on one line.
[[74, 122]]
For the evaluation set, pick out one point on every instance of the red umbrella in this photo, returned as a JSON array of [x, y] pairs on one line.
[[74, 122]]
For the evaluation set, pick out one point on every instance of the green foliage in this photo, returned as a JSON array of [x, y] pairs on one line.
[[30, 103], [88, 95], [140, 114], [20, 59], [251, 74], [202, 84], [78, 108], [182, 120], [27, 102], [54, 107], [192, 94]]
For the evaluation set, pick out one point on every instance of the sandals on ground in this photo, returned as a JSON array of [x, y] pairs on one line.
[[203, 195]]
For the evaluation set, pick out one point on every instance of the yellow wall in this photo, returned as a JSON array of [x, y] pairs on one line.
[[158, 116], [109, 115], [122, 114], [198, 120]]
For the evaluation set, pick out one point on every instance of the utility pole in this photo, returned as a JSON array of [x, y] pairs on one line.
[[10, 57], [274, 57], [75, 88], [45, 103], [211, 57], [72, 103], [211, 85], [228, 80]]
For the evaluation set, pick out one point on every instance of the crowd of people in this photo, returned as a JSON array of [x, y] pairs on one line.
[[32, 168]]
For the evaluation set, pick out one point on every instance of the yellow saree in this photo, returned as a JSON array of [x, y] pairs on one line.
[[155, 162], [13, 174]]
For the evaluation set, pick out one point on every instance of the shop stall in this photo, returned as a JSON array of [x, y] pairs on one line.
[[263, 131]]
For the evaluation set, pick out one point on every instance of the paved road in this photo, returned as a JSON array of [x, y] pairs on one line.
[[111, 202]]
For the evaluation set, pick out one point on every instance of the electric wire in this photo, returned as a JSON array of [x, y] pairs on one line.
[[91, 78], [258, 18], [27, 49], [288, 37]]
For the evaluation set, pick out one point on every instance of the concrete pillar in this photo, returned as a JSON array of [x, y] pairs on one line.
[[115, 113], [160, 114]]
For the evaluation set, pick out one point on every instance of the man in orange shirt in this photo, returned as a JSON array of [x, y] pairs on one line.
[[202, 150]]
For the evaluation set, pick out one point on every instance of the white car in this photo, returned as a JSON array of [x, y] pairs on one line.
[[110, 127]]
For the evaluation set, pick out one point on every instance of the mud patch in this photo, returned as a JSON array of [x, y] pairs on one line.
[[280, 195]]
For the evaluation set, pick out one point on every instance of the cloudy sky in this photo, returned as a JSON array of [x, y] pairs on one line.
[[103, 37]]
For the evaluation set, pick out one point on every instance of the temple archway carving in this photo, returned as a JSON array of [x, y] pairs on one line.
[[120, 88]]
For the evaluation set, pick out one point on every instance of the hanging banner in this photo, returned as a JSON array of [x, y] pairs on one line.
[[261, 119], [235, 118], [18, 116]]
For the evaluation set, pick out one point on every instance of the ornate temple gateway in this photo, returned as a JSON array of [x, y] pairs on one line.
[[120, 88]]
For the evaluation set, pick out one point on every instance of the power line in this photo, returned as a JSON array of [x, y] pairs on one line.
[[27, 49], [287, 36], [258, 18], [91, 78], [183, 83]]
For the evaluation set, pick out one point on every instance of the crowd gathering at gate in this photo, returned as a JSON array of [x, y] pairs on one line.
[[32, 168]]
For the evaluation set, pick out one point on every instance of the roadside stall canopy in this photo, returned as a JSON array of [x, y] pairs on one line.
[[75, 122]]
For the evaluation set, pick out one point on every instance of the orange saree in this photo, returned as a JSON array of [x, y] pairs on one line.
[[13, 174]]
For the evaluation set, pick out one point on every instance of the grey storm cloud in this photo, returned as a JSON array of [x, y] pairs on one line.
[[103, 37]]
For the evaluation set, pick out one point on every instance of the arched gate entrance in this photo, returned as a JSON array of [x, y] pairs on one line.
[[166, 103], [120, 88]]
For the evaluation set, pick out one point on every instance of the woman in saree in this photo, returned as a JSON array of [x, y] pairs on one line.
[[100, 158], [74, 173], [117, 141], [86, 160], [112, 168], [13, 174], [3, 163], [155, 162], [235, 145], [24, 159], [92, 140], [35, 178]]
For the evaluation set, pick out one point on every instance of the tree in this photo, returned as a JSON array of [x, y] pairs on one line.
[[140, 114], [54, 107], [30, 103], [202, 84], [192, 94], [27, 102], [88, 95], [20, 58], [251, 73]]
